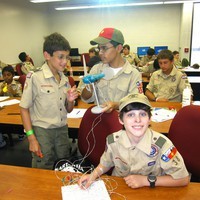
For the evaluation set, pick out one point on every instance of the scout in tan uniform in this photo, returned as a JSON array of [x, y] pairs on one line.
[[10, 87], [177, 60], [120, 77], [140, 155], [46, 99], [168, 83], [148, 58]]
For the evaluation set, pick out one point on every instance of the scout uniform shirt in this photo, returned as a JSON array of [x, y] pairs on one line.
[[16, 87], [114, 87], [45, 98], [27, 67], [132, 58], [168, 86], [154, 154]]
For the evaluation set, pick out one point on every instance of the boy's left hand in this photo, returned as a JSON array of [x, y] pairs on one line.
[[72, 94], [136, 181]]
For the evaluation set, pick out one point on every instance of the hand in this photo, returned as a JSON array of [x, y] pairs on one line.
[[136, 181], [72, 94], [109, 106], [34, 146], [86, 180]]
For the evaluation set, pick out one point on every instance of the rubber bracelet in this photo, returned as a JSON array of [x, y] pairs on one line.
[[30, 132]]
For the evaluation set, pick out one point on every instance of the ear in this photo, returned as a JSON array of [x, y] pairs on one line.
[[120, 47], [120, 121], [47, 56]]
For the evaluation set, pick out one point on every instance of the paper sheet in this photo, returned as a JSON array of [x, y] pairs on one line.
[[9, 102], [76, 113], [4, 98], [162, 114], [96, 191]]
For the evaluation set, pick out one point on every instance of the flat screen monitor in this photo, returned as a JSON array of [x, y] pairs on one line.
[[142, 51], [74, 52], [159, 48]]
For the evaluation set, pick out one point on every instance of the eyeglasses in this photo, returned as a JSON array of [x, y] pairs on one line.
[[103, 49], [62, 57]]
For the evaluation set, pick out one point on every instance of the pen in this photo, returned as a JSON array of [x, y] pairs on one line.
[[78, 112], [13, 113]]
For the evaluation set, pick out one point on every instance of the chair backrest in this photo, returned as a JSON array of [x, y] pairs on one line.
[[87, 58], [18, 69], [185, 134], [22, 79], [93, 130]]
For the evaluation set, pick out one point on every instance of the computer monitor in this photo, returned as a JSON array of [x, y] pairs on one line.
[[142, 51], [74, 52], [159, 48]]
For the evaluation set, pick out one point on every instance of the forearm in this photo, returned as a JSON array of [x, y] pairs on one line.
[[70, 106], [98, 171], [150, 95], [86, 94]]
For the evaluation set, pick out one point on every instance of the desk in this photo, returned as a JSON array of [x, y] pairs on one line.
[[191, 71], [19, 183]]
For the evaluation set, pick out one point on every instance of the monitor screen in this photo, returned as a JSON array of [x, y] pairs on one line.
[[142, 51], [159, 48], [74, 52]]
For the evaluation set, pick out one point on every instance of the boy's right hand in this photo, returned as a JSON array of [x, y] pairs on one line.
[[34, 146], [85, 181]]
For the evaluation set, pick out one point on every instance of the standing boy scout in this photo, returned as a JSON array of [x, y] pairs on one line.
[[140, 155], [46, 99], [120, 77], [167, 83]]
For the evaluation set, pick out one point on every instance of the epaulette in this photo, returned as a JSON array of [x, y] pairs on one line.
[[111, 139], [37, 69], [160, 142]]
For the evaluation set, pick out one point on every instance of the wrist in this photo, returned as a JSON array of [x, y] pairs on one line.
[[30, 132]]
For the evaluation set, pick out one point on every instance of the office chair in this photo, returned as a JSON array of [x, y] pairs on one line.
[[71, 81], [22, 79], [18, 69], [185, 134], [93, 130]]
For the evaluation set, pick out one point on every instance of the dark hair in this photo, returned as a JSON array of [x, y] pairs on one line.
[[150, 52], [175, 52], [8, 68], [156, 65], [126, 46], [195, 66], [22, 56], [55, 42], [95, 50], [165, 54]]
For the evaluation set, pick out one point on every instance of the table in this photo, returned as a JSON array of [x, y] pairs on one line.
[[10, 115], [17, 183]]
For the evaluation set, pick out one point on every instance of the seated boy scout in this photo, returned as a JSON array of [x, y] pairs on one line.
[[167, 83], [140, 155]]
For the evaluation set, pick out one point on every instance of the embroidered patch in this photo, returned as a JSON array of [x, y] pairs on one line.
[[29, 75], [139, 87], [184, 76], [173, 79], [169, 154], [154, 151], [152, 163]]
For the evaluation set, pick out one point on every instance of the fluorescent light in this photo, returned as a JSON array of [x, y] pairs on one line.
[[107, 6], [174, 2], [45, 1]]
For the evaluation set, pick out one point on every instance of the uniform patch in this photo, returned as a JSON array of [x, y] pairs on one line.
[[29, 75], [152, 163], [184, 76], [154, 151], [173, 79], [169, 154], [139, 87]]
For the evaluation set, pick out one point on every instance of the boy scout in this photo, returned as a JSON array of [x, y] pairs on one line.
[[46, 99], [140, 155], [120, 77], [168, 83]]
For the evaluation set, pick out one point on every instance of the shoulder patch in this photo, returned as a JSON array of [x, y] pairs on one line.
[[184, 76], [29, 74], [111, 139], [169, 154], [160, 142]]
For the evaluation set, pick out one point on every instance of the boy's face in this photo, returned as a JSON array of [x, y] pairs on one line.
[[136, 122], [8, 77], [58, 61], [125, 51], [166, 65]]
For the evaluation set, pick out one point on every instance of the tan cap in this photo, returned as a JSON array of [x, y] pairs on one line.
[[133, 98]]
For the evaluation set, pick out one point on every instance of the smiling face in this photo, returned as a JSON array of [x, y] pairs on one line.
[[135, 122], [57, 61]]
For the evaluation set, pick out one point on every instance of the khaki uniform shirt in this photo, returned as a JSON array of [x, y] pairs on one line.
[[27, 67], [132, 58], [154, 154], [127, 80], [145, 60], [16, 87], [168, 86], [148, 68], [45, 98]]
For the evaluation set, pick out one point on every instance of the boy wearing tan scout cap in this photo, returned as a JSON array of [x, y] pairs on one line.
[[140, 155]]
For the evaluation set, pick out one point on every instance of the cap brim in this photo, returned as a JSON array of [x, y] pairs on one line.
[[99, 40]]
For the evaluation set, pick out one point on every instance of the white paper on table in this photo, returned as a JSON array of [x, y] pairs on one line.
[[76, 113], [96, 191], [9, 102], [4, 98], [162, 114]]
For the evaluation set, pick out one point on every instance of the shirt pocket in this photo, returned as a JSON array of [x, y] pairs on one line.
[[47, 90]]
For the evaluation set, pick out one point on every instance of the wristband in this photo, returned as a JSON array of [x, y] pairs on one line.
[[30, 132]]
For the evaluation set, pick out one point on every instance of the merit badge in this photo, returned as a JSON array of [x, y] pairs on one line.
[[151, 163], [154, 151], [173, 79], [169, 154], [171, 90], [139, 87]]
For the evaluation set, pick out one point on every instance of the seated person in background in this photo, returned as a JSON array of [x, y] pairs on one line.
[[94, 57], [167, 83], [148, 59], [27, 65], [120, 77], [131, 57], [10, 87], [141, 156], [177, 60]]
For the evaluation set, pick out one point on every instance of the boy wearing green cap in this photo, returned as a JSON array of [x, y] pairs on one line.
[[120, 77], [140, 155]]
